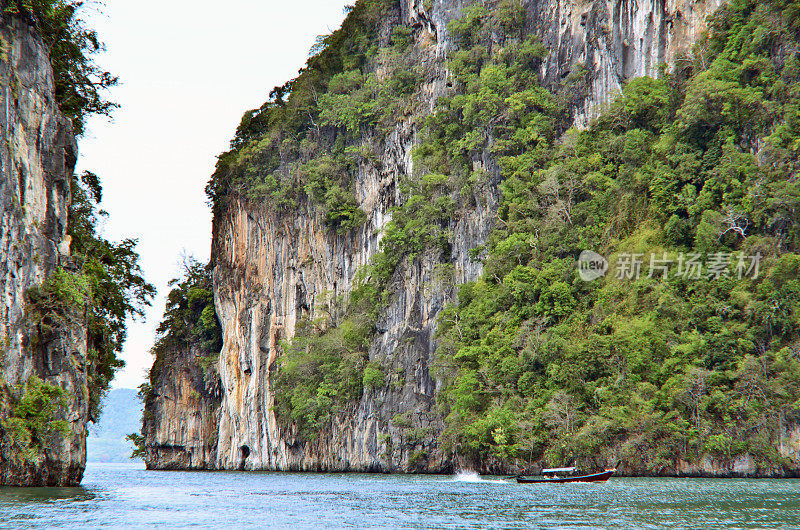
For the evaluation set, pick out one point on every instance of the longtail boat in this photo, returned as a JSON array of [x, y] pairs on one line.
[[594, 477]]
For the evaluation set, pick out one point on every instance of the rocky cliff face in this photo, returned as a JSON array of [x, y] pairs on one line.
[[181, 418], [37, 155], [615, 40], [272, 269]]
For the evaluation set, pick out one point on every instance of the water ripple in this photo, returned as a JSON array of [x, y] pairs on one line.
[[127, 496]]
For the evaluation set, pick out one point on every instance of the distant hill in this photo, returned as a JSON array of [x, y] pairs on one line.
[[122, 415]]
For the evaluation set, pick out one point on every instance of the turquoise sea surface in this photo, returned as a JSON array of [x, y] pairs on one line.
[[128, 496]]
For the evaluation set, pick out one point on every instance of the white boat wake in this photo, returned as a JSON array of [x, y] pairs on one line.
[[471, 476]]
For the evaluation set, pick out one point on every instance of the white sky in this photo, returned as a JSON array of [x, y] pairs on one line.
[[188, 71]]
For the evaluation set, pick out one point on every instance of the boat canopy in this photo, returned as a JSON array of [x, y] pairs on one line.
[[560, 470]]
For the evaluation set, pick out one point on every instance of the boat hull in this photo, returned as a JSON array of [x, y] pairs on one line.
[[594, 477]]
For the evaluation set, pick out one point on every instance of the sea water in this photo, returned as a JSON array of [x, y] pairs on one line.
[[128, 496]]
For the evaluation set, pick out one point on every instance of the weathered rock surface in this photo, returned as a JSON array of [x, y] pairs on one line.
[[37, 155], [272, 269], [180, 421], [616, 40]]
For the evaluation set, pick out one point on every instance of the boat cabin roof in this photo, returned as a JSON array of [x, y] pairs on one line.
[[560, 470]]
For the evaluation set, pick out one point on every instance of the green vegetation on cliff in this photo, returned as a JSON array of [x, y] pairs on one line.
[[295, 147], [326, 363], [118, 289], [190, 321], [103, 287], [539, 364], [79, 81], [101, 284], [536, 364], [32, 418]]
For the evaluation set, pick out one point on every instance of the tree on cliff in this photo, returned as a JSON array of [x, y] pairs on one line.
[[89, 293], [118, 287], [79, 81]]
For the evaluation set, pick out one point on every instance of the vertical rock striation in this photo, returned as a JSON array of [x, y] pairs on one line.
[[37, 156], [180, 421], [272, 269], [614, 40]]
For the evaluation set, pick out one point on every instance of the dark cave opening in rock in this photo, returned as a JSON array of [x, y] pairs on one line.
[[244, 452]]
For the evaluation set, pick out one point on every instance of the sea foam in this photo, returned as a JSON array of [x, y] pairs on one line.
[[471, 476]]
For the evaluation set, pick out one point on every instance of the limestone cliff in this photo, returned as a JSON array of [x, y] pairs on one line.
[[37, 156], [180, 424], [181, 418], [616, 41], [272, 269]]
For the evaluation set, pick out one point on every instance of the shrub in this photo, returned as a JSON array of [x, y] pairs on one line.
[[373, 376], [34, 417]]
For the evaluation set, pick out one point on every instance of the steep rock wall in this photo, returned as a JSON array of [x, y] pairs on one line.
[[616, 40], [180, 421], [37, 156], [272, 269]]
